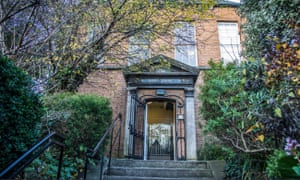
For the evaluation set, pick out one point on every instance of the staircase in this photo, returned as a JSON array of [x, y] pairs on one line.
[[127, 169]]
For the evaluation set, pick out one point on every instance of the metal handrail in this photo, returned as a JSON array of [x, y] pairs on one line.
[[92, 154], [18, 165]]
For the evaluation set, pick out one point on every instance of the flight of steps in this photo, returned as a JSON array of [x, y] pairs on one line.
[[127, 169]]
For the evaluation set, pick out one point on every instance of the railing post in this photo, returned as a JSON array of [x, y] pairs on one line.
[[119, 143], [101, 146], [102, 162], [110, 150], [85, 166], [60, 162]]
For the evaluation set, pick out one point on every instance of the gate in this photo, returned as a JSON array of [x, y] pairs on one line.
[[136, 129], [137, 121]]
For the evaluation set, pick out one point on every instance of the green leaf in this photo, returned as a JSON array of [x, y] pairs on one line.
[[291, 94], [297, 169], [278, 112]]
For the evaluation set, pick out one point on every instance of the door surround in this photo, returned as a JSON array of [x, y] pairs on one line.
[[160, 77]]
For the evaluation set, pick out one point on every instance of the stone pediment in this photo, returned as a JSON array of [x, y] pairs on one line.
[[161, 64], [161, 71]]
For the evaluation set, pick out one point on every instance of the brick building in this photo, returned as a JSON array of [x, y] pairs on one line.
[[159, 104]]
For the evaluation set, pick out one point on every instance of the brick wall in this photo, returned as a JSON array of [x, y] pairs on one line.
[[111, 83], [207, 34]]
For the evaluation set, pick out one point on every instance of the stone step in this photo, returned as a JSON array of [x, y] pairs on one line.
[[158, 163], [154, 178], [127, 169], [160, 172]]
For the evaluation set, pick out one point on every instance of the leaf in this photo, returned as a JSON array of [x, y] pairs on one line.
[[260, 138], [298, 54], [284, 45], [278, 46], [259, 125], [291, 94], [250, 129], [278, 112], [297, 169]]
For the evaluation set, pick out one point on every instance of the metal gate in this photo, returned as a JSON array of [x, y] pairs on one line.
[[136, 129], [136, 126]]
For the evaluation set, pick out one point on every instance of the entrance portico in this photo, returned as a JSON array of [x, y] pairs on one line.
[[160, 113]]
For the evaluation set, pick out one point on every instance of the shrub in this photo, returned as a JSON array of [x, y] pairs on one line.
[[245, 166], [213, 149], [20, 111], [82, 120], [285, 164]]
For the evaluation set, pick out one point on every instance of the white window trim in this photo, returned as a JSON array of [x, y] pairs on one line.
[[194, 44], [235, 50]]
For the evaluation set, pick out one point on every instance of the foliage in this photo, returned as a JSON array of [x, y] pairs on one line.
[[75, 37], [213, 149], [46, 166], [233, 113], [20, 111], [285, 164], [82, 120], [276, 18], [245, 166], [280, 165], [254, 106], [236, 105], [282, 77]]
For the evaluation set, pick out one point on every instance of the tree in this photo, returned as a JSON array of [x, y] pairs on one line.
[[273, 35], [20, 112], [258, 101], [274, 18], [255, 106], [76, 36], [233, 113]]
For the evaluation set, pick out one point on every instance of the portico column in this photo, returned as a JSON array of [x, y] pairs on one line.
[[131, 92], [191, 151]]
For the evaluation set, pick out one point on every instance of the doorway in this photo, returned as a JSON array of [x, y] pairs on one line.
[[160, 130]]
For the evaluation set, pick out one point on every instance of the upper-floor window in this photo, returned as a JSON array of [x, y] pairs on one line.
[[229, 1], [185, 43], [236, 1], [229, 40], [139, 48]]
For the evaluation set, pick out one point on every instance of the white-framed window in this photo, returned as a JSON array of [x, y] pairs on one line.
[[236, 1], [185, 43], [139, 48], [229, 40]]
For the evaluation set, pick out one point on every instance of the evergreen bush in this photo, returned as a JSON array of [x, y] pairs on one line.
[[20, 111]]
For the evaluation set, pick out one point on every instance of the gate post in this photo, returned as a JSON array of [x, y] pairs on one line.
[[128, 145]]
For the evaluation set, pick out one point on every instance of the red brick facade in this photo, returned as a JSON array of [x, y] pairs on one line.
[[111, 82]]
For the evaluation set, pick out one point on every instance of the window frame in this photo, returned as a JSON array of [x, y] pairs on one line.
[[188, 42], [137, 43], [232, 40]]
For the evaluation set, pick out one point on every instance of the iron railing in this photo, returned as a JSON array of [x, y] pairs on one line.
[[22, 162], [102, 150]]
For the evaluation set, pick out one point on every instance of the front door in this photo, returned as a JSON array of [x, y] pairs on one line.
[[160, 130]]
